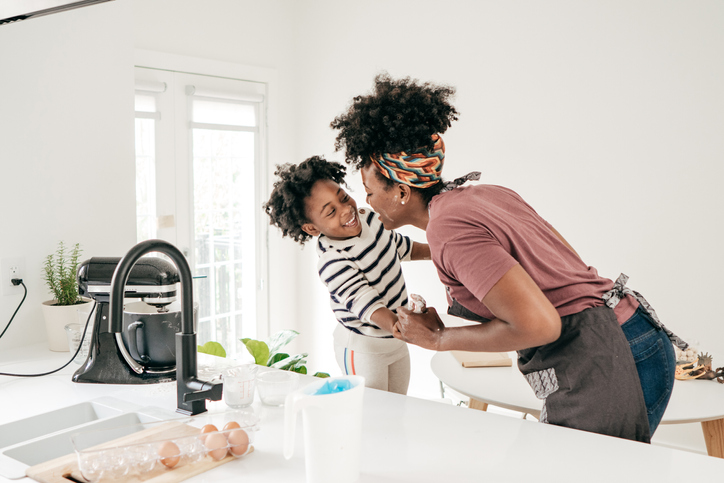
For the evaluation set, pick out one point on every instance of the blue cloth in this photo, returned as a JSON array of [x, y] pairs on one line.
[[332, 386], [655, 362]]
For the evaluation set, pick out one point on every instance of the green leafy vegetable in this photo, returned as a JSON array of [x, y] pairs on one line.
[[276, 358], [280, 339], [289, 363], [269, 354], [213, 348], [258, 349]]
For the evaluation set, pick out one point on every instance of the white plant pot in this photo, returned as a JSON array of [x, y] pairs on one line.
[[58, 316]]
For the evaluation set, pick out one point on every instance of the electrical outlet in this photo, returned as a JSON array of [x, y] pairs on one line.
[[11, 268]]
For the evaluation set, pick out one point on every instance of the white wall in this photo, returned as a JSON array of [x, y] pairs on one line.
[[66, 147], [606, 116], [66, 126]]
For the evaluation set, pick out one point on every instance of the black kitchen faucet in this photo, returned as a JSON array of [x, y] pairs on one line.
[[191, 392]]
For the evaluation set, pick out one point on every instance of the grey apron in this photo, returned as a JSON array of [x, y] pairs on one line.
[[587, 378]]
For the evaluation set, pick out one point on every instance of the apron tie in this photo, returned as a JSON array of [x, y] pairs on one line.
[[620, 290], [449, 185]]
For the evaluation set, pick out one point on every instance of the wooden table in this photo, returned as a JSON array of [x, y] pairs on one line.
[[692, 401]]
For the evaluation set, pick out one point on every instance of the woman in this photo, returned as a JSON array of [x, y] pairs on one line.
[[590, 350]]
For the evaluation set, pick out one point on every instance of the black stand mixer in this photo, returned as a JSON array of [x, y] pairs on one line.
[[117, 355], [120, 358]]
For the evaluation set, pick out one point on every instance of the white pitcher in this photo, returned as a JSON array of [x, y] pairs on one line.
[[332, 429]]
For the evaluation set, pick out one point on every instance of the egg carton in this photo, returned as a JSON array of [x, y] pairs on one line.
[[144, 449]]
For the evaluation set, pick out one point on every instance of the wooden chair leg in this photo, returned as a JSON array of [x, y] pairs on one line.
[[714, 437], [479, 405]]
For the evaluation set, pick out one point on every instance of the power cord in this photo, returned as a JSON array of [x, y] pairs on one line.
[[16, 282], [80, 345]]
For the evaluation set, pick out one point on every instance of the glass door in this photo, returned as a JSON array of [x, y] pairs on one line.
[[224, 150], [207, 197]]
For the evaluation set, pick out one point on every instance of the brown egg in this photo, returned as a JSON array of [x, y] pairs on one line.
[[216, 445], [238, 442], [169, 453], [209, 428], [231, 425]]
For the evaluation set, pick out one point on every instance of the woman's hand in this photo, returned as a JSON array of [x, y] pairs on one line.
[[524, 318], [424, 330]]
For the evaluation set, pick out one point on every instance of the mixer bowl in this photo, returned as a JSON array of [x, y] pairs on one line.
[[150, 335]]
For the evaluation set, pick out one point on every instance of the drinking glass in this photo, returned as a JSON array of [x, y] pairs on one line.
[[274, 386]]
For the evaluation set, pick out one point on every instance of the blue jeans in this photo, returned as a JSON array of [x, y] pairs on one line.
[[655, 362]]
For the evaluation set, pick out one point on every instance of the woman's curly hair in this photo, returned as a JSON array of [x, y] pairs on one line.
[[399, 115], [286, 207]]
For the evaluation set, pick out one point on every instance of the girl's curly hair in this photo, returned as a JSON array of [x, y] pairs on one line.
[[399, 115], [286, 207]]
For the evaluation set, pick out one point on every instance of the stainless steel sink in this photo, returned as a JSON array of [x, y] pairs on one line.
[[44, 437]]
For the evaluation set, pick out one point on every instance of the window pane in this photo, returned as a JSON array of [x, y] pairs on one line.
[[223, 301], [223, 170], [222, 334], [203, 246], [238, 242], [203, 332], [145, 179], [239, 283], [224, 112], [249, 330], [221, 248], [202, 283]]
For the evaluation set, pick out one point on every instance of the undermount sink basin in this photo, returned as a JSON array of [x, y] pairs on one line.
[[44, 437]]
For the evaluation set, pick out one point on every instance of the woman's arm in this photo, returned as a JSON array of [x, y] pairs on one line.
[[420, 251], [524, 318]]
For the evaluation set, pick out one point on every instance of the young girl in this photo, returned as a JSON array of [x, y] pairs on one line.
[[359, 263]]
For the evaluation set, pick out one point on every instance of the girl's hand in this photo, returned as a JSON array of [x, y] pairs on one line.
[[424, 330]]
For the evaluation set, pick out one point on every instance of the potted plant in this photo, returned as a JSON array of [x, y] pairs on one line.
[[67, 307], [270, 354]]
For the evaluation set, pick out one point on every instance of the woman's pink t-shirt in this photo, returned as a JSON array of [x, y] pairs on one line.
[[477, 233]]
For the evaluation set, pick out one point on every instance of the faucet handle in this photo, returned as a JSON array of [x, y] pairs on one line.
[[211, 391]]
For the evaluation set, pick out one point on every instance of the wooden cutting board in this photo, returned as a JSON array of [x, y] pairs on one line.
[[65, 468], [482, 359]]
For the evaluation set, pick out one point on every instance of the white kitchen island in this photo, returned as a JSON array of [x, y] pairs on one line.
[[405, 439]]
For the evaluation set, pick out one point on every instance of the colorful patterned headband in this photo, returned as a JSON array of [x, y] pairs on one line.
[[421, 168]]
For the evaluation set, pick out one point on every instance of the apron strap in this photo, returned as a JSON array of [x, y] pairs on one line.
[[449, 185], [620, 290]]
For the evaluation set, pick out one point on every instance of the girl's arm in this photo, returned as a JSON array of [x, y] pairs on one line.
[[384, 318], [524, 318], [420, 251]]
